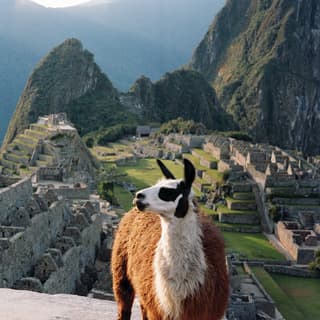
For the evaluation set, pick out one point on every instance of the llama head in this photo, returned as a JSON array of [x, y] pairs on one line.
[[170, 197]]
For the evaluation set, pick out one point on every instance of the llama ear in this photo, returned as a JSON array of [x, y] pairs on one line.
[[189, 173], [165, 170]]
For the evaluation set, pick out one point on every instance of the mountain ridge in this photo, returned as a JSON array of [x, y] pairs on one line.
[[266, 70]]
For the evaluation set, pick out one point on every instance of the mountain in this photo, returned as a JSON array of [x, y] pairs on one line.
[[68, 80], [127, 37], [180, 93], [263, 59]]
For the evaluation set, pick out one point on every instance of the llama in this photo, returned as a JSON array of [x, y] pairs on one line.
[[169, 255]]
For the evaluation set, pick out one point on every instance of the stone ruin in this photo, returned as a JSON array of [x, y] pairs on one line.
[[248, 299], [301, 243], [46, 245]]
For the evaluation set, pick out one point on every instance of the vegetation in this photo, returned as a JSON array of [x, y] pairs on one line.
[[182, 126], [184, 94], [315, 265], [285, 305], [251, 246], [111, 134], [296, 298]]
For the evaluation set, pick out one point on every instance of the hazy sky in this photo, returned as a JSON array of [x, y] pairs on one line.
[[59, 3]]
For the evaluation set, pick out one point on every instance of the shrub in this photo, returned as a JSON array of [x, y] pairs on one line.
[[89, 142]]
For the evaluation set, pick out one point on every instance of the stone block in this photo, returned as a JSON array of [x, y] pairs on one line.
[[4, 244], [51, 196], [90, 208], [29, 283], [311, 240], [64, 244], [44, 267], [56, 255], [20, 218], [74, 233], [79, 220], [33, 207], [105, 250], [42, 202]]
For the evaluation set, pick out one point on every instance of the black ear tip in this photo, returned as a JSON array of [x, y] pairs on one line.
[[187, 162]]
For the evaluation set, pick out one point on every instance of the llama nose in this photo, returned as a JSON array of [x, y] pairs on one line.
[[140, 196]]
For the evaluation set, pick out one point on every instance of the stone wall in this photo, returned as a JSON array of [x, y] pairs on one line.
[[239, 218], [45, 248], [292, 271], [296, 241], [15, 195], [25, 248], [73, 193]]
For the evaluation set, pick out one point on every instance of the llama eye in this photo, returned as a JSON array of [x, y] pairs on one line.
[[168, 194]]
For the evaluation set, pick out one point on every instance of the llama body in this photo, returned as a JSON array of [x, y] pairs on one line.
[[173, 262]]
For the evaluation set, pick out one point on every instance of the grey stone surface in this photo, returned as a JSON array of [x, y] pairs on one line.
[[26, 305]]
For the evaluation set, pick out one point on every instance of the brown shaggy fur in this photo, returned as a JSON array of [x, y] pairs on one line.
[[132, 270]]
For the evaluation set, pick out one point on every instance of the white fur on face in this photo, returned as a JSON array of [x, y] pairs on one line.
[[179, 263], [154, 203]]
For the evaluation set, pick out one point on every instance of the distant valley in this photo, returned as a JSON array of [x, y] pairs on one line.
[[128, 38]]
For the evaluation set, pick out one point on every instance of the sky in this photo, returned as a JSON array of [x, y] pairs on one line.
[[59, 3]]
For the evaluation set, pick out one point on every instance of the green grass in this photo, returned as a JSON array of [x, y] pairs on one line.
[[142, 174], [239, 200], [225, 209], [204, 154], [296, 298], [305, 294], [215, 175], [146, 172], [124, 197], [251, 245], [195, 161], [113, 152]]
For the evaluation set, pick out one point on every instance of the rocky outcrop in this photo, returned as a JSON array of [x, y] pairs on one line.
[[262, 58], [180, 93], [67, 80]]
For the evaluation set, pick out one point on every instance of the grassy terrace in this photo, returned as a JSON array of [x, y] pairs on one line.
[[214, 174], [146, 172], [251, 245], [112, 153], [225, 209], [296, 298], [205, 155], [195, 161]]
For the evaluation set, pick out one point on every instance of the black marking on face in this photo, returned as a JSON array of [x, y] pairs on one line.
[[171, 194]]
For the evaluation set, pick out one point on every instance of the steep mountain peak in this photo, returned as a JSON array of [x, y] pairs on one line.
[[67, 74], [262, 58], [181, 93]]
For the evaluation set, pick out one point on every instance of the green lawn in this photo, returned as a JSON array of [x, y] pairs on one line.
[[124, 197], [296, 298], [146, 172], [204, 154], [305, 294], [143, 174], [251, 245]]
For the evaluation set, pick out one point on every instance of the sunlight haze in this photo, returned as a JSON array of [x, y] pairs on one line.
[[59, 3]]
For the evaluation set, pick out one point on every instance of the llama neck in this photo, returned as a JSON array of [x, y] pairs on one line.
[[179, 262]]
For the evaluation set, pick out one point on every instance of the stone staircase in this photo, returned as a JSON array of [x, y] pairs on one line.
[[16, 159]]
